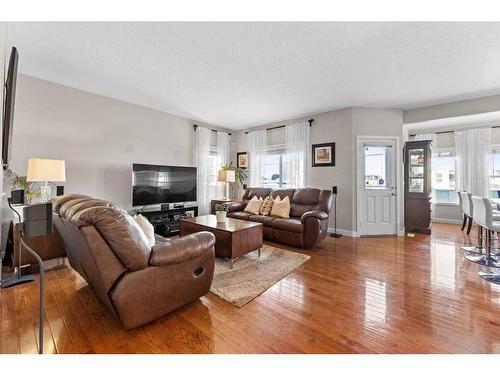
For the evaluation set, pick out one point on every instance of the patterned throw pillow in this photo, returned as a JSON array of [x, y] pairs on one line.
[[266, 207]]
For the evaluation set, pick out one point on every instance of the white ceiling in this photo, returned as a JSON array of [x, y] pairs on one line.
[[239, 75]]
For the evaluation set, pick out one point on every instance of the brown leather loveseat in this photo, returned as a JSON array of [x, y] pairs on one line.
[[308, 222], [138, 283]]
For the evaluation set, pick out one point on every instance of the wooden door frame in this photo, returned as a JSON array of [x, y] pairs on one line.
[[398, 155]]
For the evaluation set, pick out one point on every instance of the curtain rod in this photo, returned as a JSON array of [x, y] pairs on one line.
[[310, 121], [212, 130], [448, 131]]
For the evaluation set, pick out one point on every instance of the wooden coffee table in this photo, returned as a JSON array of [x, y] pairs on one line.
[[233, 238]]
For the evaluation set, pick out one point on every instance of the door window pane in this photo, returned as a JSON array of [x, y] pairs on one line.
[[377, 167]]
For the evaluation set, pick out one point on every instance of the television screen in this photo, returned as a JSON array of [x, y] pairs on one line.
[[156, 184], [8, 107]]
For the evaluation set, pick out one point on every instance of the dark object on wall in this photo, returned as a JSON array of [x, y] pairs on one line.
[[60, 190], [323, 155], [334, 192], [17, 196], [8, 107], [242, 160], [245, 186], [418, 186]]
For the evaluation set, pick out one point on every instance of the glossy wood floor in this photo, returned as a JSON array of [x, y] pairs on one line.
[[368, 295]]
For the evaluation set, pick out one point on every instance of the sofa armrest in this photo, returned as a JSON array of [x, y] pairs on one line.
[[318, 214], [236, 206], [181, 249]]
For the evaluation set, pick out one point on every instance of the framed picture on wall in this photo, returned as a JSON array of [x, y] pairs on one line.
[[323, 155], [242, 160]]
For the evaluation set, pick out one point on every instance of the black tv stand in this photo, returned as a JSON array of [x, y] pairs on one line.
[[167, 222]]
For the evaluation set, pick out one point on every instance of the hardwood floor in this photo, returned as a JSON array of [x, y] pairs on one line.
[[367, 295]]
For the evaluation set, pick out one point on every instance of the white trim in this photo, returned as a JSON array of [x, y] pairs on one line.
[[344, 232], [399, 182], [448, 221]]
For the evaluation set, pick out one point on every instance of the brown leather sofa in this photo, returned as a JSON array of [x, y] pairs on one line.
[[308, 222], [138, 283]]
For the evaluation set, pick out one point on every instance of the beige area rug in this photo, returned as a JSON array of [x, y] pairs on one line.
[[253, 275]]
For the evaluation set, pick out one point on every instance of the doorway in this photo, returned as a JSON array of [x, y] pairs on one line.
[[377, 186]]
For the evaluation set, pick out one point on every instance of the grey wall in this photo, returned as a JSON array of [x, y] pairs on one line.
[[99, 137], [340, 126], [459, 108]]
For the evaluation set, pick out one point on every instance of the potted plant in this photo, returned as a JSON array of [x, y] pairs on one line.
[[23, 190], [221, 211], [240, 176]]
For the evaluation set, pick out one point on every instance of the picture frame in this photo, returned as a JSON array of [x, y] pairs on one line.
[[323, 155], [242, 160]]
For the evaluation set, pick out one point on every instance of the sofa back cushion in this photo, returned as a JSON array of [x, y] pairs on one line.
[[124, 236], [304, 200], [255, 192]]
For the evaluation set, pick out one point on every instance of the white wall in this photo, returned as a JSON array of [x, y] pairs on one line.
[[342, 127], [453, 109], [99, 137]]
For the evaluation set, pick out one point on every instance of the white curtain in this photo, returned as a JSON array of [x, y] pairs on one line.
[[297, 156], [202, 146], [257, 144], [223, 147], [473, 147]]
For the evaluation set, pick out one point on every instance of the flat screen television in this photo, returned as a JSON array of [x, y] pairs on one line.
[[8, 107], [157, 184]]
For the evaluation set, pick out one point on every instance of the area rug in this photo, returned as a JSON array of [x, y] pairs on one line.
[[252, 275]]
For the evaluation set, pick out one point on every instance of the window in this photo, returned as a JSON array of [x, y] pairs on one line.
[[444, 165], [494, 172], [272, 168], [213, 170]]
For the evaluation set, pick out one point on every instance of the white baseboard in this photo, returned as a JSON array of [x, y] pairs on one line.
[[348, 233], [448, 221]]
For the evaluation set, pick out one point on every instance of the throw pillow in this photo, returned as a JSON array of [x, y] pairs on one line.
[[281, 208], [253, 205], [147, 228], [266, 207]]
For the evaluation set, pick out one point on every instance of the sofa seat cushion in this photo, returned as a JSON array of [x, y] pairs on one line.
[[292, 224], [242, 215], [266, 220]]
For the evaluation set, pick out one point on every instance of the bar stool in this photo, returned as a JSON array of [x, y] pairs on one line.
[[465, 205], [483, 217], [467, 209]]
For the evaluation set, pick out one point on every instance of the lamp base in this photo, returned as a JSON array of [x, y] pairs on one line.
[[336, 235], [45, 192]]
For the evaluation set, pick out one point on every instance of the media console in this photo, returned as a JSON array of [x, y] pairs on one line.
[[166, 222]]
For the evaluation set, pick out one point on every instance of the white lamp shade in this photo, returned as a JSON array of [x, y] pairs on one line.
[[226, 176], [40, 170]]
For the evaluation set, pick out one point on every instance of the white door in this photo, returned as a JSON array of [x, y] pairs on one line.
[[377, 186]]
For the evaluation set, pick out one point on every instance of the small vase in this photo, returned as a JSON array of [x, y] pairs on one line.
[[221, 216]]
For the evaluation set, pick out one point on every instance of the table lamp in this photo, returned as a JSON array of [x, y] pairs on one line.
[[227, 176], [46, 170]]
